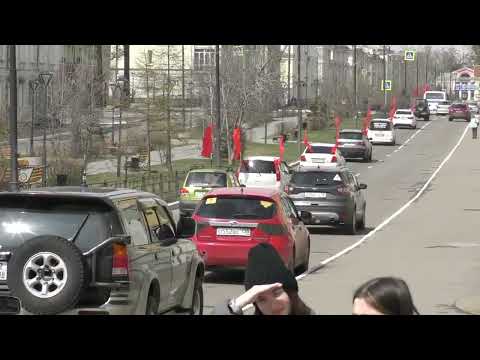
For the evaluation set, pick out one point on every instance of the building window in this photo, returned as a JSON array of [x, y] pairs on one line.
[[203, 58]]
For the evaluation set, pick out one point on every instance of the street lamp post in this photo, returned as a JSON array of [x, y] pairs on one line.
[[33, 86], [44, 80], [13, 185]]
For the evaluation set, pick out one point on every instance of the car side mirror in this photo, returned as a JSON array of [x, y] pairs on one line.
[[186, 227], [362, 186], [305, 216], [9, 305]]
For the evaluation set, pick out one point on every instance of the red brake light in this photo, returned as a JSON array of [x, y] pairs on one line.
[[303, 158], [184, 191], [120, 261], [334, 159]]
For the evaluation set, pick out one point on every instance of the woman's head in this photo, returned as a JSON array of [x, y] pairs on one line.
[[383, 296]]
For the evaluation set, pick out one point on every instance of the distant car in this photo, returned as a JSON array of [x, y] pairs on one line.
[[442, 108], [232, 221], [459, 111], [381, 131], [353, 144], [333, 197], [76, 250], [473, 107], [404, 118], [264, 171], [422, 109], [320, 154], [198, 182]]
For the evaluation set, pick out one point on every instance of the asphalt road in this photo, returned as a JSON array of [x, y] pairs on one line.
[[393, 177]]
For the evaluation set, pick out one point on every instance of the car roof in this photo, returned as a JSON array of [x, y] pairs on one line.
[[104, 193], [351, 130], [265, 158], [322, 144], [248, 191], [209, 170]]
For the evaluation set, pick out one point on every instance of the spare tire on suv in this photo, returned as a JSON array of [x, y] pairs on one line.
[[47, 274]]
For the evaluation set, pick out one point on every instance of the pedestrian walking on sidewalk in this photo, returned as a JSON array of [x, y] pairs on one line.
[[270, 287], [383, 296], [474, 125]]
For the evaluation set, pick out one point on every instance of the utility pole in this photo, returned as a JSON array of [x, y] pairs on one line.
[[119, 146], [416, 60], [355, 78], [13, 119], [217, 127], [183, 86], [306, 77], [126, 69], [435, 76], [169, 141], [384, 77], [148, 118], [405, 87], [299, 88], [288, 88], [116, 62], [426, 68]]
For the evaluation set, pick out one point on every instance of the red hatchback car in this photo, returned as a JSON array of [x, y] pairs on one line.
[[230, 221]]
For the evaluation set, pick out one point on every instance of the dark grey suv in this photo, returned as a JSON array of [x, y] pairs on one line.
[[332, 195], [74, 250]]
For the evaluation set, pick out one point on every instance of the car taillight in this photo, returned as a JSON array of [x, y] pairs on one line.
[[303, 158], [120, 262], [342, 190], [184, 191], [334, 159]]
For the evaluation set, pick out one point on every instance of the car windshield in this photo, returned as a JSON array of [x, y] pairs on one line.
[[242, 207], [459, 106], [320, 149], [210, 179], [350, 136], [316, 178], [403, 112], [258, 166], [380, 125], [25, 220]]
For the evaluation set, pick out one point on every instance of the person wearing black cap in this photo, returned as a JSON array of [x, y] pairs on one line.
[[270, 287]]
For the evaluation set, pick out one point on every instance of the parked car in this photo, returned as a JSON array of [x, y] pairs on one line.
[[473, 107], [75, 250], [381, 131], [231, 221], [422, 109], [198, 182], [459, 111], [264, 171], [333, 197], [404, 118], [353, 144], [321, 154], [443, 107]]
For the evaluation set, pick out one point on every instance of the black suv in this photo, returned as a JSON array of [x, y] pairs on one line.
[[332, 195], [421, 109], [75, 250]]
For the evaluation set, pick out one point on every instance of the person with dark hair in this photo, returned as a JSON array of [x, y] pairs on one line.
[[270, 287], [383, 296]]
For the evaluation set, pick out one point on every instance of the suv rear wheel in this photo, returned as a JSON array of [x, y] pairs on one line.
[[47, 274], [351, 228]]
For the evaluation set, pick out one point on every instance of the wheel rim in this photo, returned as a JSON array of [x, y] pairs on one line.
[[196, 303], [45, 275]]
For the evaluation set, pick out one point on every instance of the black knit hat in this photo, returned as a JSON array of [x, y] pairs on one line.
[[265, 266]]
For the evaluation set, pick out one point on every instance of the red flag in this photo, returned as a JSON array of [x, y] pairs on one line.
[[237, 144], [393, 108], [281, 143], [305, 141], [366, 121], [338, 122], [207, 142]]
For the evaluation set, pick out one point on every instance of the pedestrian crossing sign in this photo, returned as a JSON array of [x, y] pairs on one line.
[[409, 55], [387, 85]]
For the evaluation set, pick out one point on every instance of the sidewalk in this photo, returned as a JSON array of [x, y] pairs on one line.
[[434, 245]]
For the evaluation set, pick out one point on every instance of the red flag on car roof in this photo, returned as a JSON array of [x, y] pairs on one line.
[[207, 146], [237, 144], [393, 108], [281, 143], [305, 141]]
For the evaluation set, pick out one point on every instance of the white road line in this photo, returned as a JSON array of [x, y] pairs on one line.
[[357, 174], [397, 150], [370, 167], [388, 155], [388, 220]]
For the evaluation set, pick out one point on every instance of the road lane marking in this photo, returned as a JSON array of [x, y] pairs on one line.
[[357, 174], [397, 150], [388, 155], [370, 167], [388, 220]]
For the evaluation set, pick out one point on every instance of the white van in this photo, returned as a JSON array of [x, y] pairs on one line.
[[434, 98], [381, 131], [264, 171]]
